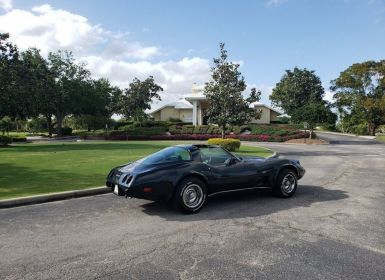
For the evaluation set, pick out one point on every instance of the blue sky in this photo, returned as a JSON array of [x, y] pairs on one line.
[[176, 40]]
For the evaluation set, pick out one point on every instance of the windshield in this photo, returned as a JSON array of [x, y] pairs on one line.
[[170, 154]]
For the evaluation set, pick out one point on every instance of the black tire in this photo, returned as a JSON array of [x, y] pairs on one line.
[[286, 183], [190, 196]]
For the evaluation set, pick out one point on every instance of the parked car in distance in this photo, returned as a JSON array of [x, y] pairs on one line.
[[186, 175]]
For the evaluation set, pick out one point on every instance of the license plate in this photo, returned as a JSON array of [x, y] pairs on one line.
[[116, 190]]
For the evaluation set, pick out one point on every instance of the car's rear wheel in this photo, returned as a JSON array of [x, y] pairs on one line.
[[190, 196], [286, 183]]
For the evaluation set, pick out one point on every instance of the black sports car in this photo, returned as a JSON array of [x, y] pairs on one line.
[[187, 174]]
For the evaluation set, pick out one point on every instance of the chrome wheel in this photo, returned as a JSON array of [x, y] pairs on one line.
[[193, 196], [288, 184]]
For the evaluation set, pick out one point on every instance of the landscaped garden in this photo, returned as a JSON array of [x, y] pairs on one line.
[[181, 131], [31, 169]]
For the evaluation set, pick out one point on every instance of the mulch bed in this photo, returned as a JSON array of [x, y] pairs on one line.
[[307, 141]]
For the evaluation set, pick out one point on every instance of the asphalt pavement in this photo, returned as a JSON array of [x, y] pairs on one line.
[[333, 228]]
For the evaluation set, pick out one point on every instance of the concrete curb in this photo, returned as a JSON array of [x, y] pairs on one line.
[[368, 137], [275, 155], [37, 199]]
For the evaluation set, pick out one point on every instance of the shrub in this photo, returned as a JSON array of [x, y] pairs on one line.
[[18, 138], [360, 129], [66, 131], [5, 140], [381, 129], [228, 143]]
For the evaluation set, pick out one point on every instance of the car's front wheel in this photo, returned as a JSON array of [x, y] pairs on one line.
[[286, 183], [190, 196]]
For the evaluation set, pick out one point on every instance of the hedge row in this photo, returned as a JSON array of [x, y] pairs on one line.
[[229, 144], [249, 137]]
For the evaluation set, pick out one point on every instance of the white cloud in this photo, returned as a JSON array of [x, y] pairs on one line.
[[329, 96], [50, 29], [6, 4], [176, 77], [274, 3]]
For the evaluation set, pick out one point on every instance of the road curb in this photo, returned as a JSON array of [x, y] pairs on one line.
[[368, 137], [275, 155], [15, 202]]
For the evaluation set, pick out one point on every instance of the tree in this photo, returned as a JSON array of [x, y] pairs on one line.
[[300, 94], [360, 94], [97, 98], [9, 58], [137, 98], [224, 94], [71, 80]]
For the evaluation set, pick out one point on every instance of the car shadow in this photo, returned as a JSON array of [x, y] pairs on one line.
[[245, 204]]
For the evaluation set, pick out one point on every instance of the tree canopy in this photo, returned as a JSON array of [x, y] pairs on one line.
[[137, 98], [300, 94], [224, 94], [360, 94], [58, 87]]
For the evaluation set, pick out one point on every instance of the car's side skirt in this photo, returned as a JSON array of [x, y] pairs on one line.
[[238, 190]]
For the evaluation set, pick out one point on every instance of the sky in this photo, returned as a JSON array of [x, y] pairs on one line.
[[175, 40]]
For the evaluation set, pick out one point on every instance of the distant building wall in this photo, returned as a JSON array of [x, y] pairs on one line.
[[185, 115], [265, 115]]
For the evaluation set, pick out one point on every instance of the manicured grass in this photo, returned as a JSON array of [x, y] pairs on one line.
[[31, 169], [381, 138]]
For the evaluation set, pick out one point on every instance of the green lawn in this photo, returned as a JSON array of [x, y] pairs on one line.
[[30, 169], [381, 138]]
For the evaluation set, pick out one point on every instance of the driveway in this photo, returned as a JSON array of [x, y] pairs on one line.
[[333, 228]]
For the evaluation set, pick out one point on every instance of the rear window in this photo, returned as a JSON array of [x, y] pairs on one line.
[[170, 154]]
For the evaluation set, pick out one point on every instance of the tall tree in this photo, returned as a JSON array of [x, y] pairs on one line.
[[300, 94], [9, 60], [71, 80], [360, 93], [224, 94], [138, 97]]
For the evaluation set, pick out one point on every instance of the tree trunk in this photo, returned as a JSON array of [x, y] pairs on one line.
[[372, 129], [59, 122], [223, 131], [49, 124]]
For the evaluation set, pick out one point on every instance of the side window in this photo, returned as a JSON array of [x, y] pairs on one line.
[[178, 154], [214, 156], [183, 154]]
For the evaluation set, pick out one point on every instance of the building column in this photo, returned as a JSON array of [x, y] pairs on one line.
[[200, 114], [194, 116]]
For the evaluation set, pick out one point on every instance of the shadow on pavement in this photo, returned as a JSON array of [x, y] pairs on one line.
[[247, 204]]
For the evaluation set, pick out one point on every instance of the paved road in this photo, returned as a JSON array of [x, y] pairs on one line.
[[333, 228]]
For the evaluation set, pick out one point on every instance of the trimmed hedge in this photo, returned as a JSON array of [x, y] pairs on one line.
[[18, 139], [229, 144], [5, 140]]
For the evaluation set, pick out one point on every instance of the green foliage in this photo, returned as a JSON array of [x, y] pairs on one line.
[[300, 94], [5, 124], [137, 98], [66, 131], [360, 95], [229, 144], [5, 140], [18, 138], [224, 94], [360, 129], [142, 131], [381, 129]]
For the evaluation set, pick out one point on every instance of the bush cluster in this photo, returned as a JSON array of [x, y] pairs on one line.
[[229, 144], [5, 140]]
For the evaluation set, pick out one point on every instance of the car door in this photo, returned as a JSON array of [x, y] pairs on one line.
[[224, 176]]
